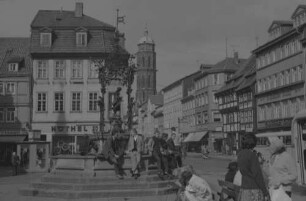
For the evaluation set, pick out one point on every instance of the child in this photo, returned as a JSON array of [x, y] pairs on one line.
[[232, 169]]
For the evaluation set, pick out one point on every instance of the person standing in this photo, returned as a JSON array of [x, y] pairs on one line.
[[164, 153], [172, 153], [154, 146], [178, 147], [113, 153], [15, 163], [135, 147], [253, 187], [282, 169]]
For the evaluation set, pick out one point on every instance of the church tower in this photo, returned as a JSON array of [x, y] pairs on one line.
[[146, 73]]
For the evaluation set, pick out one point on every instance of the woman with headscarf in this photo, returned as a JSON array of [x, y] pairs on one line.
[[282, 168], [252, 184]]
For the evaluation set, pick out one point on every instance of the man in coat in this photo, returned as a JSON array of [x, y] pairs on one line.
[[15, 163], [135, 147], [172, 152], [113, 153]]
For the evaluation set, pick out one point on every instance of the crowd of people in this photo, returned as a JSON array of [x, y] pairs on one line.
[[165, 150], [263, 179]]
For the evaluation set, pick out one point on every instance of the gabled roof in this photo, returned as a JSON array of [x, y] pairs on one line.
[[156, 99], [227, 65], [178, 82], [298, 9], [239, 76], [15, 49], [280, 23], [58, 18]]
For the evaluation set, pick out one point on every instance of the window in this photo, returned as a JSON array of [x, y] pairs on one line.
[[41, 69], [60, 69], [81, 39], [76, 102], [41, 102], [13, 67], [299, 72], [2, 88], [215, 79], [93, 101], [77, 69], [287, 76], [216, 116], [149, 61], [1, 114], [45, 39], [10, 88], [59, 102], [293, 75], [10, 115], [94, 71]]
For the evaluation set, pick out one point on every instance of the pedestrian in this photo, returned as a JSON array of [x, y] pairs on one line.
[[154, 146], [204, 151], [164, 154], [135, 148], [178, 146], [113, 152], [253, 187], [15, 163], [172, 153], [281, 168]]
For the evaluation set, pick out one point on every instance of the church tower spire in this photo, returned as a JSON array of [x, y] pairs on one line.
[[146, 73]]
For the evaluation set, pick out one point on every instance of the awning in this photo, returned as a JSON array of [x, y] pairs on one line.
[[195, 137], [12, 138]]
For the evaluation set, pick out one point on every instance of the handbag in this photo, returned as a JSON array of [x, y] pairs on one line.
[[279, 194], [237, 178]]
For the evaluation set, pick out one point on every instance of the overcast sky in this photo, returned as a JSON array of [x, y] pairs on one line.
[[186, 32]]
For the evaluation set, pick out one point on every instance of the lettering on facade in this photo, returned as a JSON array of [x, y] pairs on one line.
[[275, 123], [75, 129]]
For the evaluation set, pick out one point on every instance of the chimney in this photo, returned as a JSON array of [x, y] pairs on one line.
[[78, 9], [236, 58]]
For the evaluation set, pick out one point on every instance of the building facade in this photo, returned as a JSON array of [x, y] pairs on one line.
[[15, 95], [66, 87], [146, 72], [236, 108], [280, 77]]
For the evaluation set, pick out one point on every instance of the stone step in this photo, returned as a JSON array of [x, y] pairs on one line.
[[118, 184], [97, 173], [95, 180], [113, 193]]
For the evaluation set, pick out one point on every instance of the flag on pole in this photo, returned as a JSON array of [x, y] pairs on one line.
[[120, 19]]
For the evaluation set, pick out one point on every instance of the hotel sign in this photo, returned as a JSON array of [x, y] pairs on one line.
[[76, 129]]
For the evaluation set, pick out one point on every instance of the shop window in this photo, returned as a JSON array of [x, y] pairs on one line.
[[62, 144], [24, 156]]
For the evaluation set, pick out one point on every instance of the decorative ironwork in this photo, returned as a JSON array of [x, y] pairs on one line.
[[115, 67]]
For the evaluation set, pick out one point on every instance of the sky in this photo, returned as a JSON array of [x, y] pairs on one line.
[[186, 33]]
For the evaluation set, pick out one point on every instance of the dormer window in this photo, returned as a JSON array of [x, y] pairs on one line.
[[45, 39], [81, 39], [13, 67]]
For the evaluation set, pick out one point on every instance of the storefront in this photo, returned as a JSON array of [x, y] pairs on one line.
[[69, 138], [195, 140]]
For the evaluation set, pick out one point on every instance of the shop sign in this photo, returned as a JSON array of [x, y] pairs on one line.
[[75, 129], [275, 123]]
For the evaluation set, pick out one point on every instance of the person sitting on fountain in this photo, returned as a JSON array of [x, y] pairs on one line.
[[113, 152], [135, 148]]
